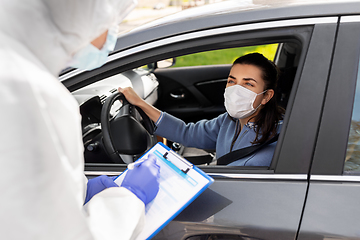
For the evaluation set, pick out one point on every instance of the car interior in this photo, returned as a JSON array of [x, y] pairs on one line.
[[190, 93]]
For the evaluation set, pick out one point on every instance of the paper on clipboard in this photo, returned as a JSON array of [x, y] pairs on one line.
[[180, 184]]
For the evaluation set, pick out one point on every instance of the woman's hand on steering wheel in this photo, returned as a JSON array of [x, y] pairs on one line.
[[131, 96], [134, 99]]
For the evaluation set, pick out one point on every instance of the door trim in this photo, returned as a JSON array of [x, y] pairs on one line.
[[211, 32]]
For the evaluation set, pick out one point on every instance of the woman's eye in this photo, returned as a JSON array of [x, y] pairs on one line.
[[230, 81], [249, 84]]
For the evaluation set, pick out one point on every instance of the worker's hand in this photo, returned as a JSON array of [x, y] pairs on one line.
[[143, 179], [96, 185], [131, 95]]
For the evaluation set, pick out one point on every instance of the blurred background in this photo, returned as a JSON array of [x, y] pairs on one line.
[[148, 10]]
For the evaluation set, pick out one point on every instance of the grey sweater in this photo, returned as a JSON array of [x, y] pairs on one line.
[[218, 133]]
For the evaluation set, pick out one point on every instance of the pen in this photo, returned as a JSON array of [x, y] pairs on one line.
[[135, 164]]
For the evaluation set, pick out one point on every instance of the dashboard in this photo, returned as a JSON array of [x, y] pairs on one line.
[[92, 97]]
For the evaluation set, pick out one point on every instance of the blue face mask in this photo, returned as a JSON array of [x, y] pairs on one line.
[[90, 57]]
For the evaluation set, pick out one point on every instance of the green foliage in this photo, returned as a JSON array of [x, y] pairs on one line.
[[352, 160], [225, 56]]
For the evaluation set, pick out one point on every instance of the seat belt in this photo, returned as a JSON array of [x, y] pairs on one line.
[[243, 152]]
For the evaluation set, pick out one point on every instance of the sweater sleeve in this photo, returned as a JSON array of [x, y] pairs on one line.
[[202, 134]]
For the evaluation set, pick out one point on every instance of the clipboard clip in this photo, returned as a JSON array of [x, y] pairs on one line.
[[178, 161]]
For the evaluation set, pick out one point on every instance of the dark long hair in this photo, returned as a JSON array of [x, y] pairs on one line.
[[270, 114]]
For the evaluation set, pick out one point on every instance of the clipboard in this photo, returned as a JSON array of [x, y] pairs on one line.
[[180, 183]]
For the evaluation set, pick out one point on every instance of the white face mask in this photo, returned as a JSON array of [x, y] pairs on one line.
[[239, 101], [90, 57]]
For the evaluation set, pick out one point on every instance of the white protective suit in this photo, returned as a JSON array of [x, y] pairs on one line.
[[42, 183]]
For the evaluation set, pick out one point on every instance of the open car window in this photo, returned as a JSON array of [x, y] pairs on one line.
[[183, 102], [195, 91], [178, 90]]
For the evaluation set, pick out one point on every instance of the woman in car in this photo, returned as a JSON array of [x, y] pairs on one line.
[[252, 118]]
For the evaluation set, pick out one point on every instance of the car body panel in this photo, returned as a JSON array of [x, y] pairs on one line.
[[333, 135], [260, 209], [332, 207], [200, 87]]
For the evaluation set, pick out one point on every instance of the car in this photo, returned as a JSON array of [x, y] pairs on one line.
[[312, 188]]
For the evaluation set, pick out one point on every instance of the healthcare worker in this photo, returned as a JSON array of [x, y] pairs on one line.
[[42, 184]]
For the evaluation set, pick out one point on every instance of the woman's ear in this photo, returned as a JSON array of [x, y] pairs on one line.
[[267, 96]]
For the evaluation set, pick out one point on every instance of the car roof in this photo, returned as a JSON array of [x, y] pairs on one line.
[[234, 12]]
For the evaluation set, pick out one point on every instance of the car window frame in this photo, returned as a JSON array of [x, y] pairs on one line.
[[330, 152], [299, 142]]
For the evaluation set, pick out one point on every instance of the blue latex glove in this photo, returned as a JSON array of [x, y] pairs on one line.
[[143, 179], [96, 185]]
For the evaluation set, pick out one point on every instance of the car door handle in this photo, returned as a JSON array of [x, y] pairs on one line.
[[178, 96]]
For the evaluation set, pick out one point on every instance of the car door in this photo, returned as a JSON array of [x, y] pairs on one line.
[[261, 203], [192, 93], [332, 207]]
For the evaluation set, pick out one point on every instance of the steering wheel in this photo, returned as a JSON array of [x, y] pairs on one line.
[[124, 137]]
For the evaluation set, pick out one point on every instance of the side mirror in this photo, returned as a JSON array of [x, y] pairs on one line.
[[151, 66], [166, 63]]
